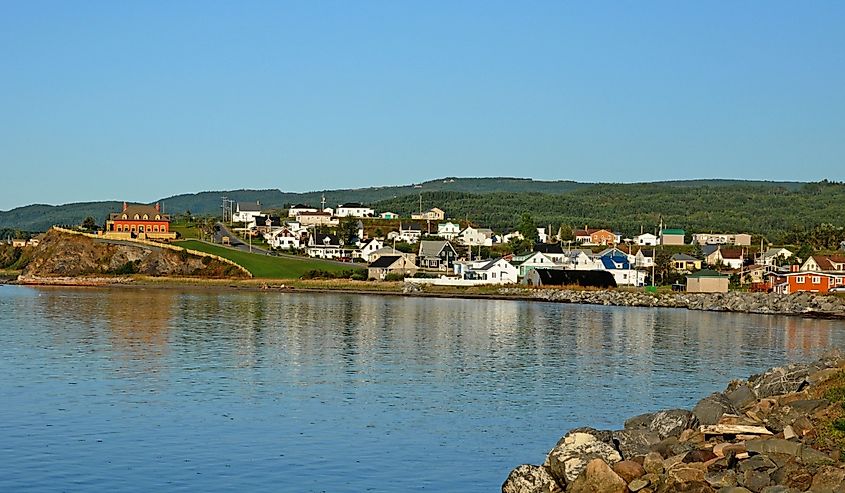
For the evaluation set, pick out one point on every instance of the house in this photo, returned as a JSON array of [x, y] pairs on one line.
[[324, 246], [644, 259], [316, 219], [588, 236], [368, 248], [682, 262], [448, 231], [824, 263], [732, 258], [514, 235], [646, 239], [285, 239], [264, 223], [753, 274], [139, 221], [534, 260], [300, 208], [388, 251], [391, 264], [245, 211], [740, 239], [622, 270], [388, 215], [436, 255], [557, 277], [616, 252], [476, 236], [542, 236], [496, 271], [433, 214], [812, 282], [408, 233], [672, 236], [774, 256], [707, 281], [354, 209]]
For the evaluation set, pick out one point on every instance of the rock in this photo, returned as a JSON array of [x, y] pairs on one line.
[[709, 410], [628, 470], [665, 423], [734, 489], [829, 480], [809, 406], [768, 446], [605, 436], [734, 430], [754, 480], [741, 397], [779, 488], [699, 455], [781, 380], [793, 475], [693, 487], [598, 476], [530, 479], [632, 443], [638, 484], [685, 473], [721, 479], [666, 447], [571, 456], [653, 463], [756, 463]]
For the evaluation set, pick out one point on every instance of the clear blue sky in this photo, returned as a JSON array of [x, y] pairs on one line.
[[142, 100]]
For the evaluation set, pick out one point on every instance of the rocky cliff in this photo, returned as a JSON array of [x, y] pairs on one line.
[[65, 255]]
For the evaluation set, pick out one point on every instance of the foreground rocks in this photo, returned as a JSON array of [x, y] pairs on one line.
[[782, 431], [807, 304]]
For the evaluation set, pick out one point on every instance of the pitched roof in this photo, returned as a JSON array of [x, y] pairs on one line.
[[320, 239], [548, 248], [432, 248], [709, 249], [353, 205], [385, 261], [489, 264], [683, 257], [140, 209], [249, 206], [732, 253], [302, 206], [673, 231], [587, 232]]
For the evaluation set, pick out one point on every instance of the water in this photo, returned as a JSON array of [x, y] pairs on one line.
[[171, 389]]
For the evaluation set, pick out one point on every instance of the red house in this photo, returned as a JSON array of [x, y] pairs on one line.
[[138, 220], [812, 282]]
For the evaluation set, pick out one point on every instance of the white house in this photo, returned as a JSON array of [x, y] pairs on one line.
[[388, 215], [354, 209], [408, 233], [774, 256], [316, 219], [541, 235], [368, 249], [646, 239], [513, 235], [448, 230], [534, 260], [285, 239], [739, 239], [246, 211], [324, 246], [644, 258], [496, 271], [476, 236], [300, 208]]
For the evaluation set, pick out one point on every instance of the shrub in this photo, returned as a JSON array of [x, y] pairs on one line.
[[394, 276], [125, 269]]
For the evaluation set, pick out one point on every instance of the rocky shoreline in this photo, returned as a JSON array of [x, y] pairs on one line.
[[806, 304], [779, 432]]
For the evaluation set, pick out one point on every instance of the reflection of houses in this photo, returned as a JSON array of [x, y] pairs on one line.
[[436, 255], [139, 221], [324, 246], [391, 264]]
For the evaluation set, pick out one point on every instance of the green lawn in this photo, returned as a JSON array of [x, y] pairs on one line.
[[266, 266], [187, 230]]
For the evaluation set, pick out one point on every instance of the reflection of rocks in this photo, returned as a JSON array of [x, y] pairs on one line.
[[769, 434], [768, 303]]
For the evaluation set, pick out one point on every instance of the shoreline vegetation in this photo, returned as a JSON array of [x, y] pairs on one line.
[[781, 431], [800, 304]]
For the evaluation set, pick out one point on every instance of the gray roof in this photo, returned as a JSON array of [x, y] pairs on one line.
[[249, 206], [432, 248], [708, 249], [684, 257]]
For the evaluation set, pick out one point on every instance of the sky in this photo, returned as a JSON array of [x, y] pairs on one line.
[[143, 100]]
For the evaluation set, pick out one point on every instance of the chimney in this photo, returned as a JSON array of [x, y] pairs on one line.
[[125, 206], [158, 207]]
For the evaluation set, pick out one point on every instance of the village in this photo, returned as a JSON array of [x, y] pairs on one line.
[[429, 248]]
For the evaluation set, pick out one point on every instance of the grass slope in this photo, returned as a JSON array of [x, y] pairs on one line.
[[265, 266]]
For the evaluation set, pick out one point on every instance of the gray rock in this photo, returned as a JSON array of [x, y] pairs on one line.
[[779, 489], [768, 446], [782, 380], [809, 406], [757, 463], [665, 423], [741, 397], [632, 443], [755, 480], [709, 410], [571, 456], [829, 480], [531, 479], [721, 479]]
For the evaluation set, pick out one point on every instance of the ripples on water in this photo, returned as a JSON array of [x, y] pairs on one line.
[[144, 389]]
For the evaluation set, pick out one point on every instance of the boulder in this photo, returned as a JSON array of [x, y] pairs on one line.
[[742, 396], [571, 456], [829, 480], [709, 410], [598, 476], [632, 443], [692, 487], [628, 470], [721, 479], [665, 423], [699, 455], [653, 463], [781, 380], [683, 472], [754, 480], [531, 479]]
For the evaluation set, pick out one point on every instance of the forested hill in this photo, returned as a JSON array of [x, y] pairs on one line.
[[497, 202], [757, 208]]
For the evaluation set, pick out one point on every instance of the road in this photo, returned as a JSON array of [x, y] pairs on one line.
[[236, 243]]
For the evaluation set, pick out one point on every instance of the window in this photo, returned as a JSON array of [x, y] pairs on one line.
[[137, 217], [816, 280], [840, 281], [800, 279], [158, 218], [124, 217], [146, 217]]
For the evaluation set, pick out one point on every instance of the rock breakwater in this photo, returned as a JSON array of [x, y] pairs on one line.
[[807, 304], [782, 431]]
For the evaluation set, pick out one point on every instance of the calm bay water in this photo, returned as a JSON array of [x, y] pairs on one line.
[[167, 389]]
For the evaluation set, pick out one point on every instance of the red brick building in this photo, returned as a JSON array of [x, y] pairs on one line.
[[138, 219]]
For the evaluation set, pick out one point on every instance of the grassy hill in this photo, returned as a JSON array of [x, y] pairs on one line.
[[266, 266]]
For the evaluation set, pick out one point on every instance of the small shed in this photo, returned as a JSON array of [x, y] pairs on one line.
[[707, 281]]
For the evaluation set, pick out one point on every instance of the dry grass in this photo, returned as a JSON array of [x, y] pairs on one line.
[[830, 424]]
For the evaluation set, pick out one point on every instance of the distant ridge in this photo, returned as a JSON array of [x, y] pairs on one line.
[[39, 217]]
